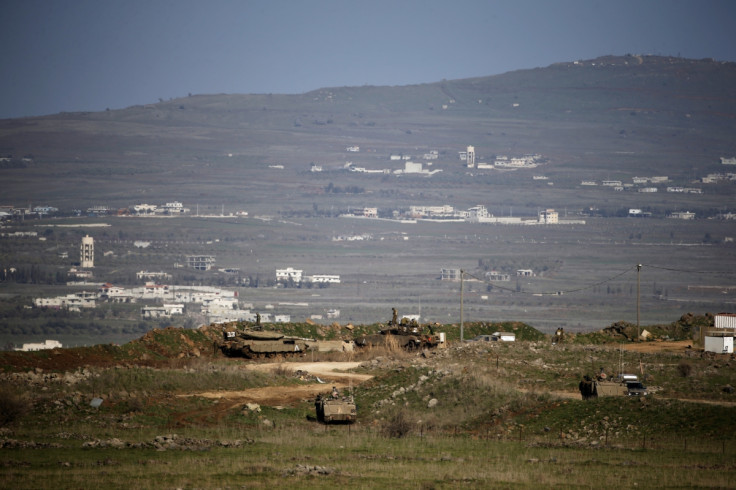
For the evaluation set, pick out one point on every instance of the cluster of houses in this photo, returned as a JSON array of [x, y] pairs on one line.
[[501, 162], [454, 275], [218, 305], [476, 214], [638, 213], [409, 168], [643, 185], [174, 207]]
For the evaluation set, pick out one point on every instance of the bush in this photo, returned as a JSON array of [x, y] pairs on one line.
[[398, 424], [12, 406], [685, 369]]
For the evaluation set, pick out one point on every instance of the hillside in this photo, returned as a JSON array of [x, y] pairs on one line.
[[611, 117], [473, 413], [275, 181]]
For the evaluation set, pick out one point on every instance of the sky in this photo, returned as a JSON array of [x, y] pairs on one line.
[[93, 55]]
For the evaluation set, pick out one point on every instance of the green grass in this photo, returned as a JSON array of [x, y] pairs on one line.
[[360, 458], [497, 422]]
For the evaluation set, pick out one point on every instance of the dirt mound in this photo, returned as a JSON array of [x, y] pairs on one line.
[[156, 348]]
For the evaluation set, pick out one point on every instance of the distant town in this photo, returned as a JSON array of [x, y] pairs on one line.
[[445, 212]]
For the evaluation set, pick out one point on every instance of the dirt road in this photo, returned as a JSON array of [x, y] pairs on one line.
[[649, 347], [331, 373]]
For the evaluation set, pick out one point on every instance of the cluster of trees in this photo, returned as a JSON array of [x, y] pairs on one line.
[[33, 274], [350, 189], [77, 327]]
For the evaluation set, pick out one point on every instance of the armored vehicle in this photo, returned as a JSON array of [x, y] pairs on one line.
[[255, 343], [624, 385], [407, 334], [335, 409]]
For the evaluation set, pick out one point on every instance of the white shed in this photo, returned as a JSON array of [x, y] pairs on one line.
[[719, 344], [504, 336]]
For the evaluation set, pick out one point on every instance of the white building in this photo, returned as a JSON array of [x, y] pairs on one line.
[[436, 211], [289, 273], [549, 216], [687, 215], [174, 207], [325, 278], [87, 252], [503, 336], [497, 276], [725, 320], [145, 208], [450, 274], [470, 157], [48, 344], [200, 262], [72, 302], [164, 311], [152, 275]]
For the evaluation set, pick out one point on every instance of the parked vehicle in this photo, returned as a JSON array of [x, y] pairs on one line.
[[255, 343], [623, 385], [408, 334], [335, 408]]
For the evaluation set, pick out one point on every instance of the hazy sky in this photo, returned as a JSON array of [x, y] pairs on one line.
[[89, 55]]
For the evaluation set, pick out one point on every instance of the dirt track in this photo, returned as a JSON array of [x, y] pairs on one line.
[[649, 347], [328, 372]]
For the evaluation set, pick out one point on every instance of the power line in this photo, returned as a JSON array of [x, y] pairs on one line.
[[590, 286], [671, 269]]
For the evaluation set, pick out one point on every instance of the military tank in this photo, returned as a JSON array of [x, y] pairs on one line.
[[257, 343], [408, 334], [335, 408]]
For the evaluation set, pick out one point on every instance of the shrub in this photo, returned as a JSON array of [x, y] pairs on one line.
[[12, 406], [685, 369], [398, 424]]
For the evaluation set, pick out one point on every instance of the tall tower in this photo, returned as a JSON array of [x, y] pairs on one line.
[[87, 252], [470, 159]]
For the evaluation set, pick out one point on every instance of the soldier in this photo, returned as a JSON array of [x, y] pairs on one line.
[[586, 387], [335, 393]]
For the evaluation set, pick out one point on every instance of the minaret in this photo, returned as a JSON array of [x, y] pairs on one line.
[[87, 252]]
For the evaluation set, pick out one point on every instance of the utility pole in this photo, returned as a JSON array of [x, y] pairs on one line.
[[462, 272], [638, 290]]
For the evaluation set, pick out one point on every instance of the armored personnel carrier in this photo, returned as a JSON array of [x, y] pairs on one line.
[[256, 343], [622, 385], [408, 334], [335, 408]]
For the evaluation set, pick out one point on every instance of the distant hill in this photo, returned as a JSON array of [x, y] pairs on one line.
[[611, 117]]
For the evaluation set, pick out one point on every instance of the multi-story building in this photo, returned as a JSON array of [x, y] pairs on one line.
[[200, 262], [450, 274], [548, 216], [470, 157], [289, 273], [87, 252]]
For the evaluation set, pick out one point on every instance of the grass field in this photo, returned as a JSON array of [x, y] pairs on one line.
[[506, 415]]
